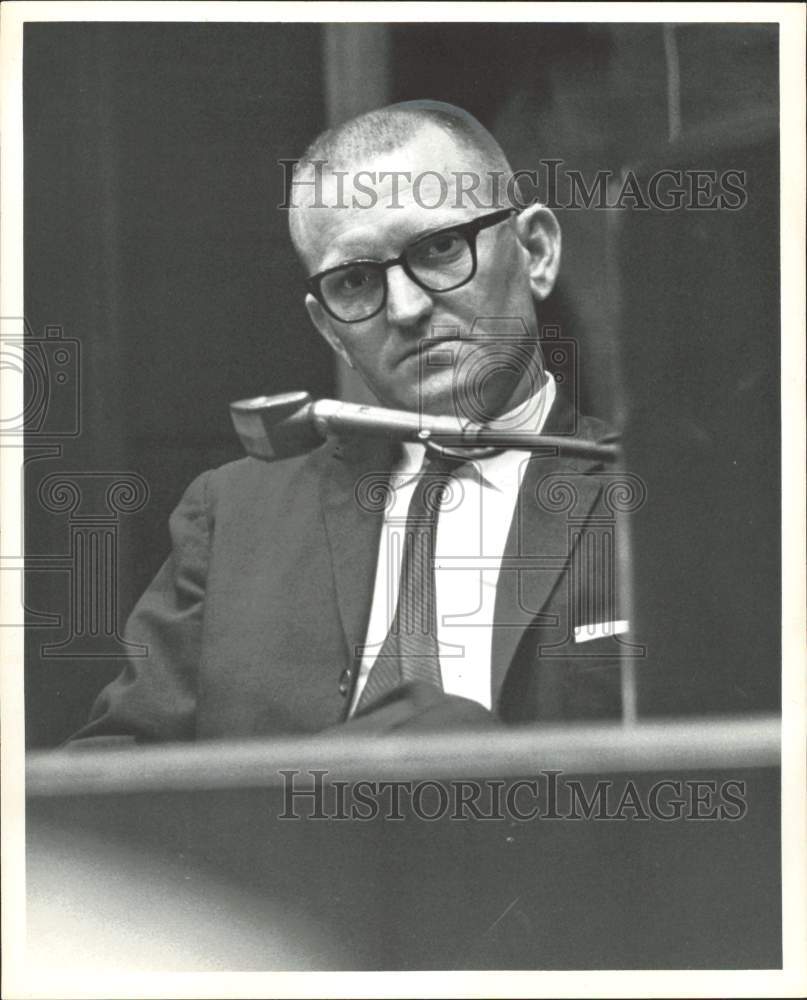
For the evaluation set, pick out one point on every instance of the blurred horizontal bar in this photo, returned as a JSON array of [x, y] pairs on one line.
[[752, 741]]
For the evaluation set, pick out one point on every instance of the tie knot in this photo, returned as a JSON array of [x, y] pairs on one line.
[[437, 464], [434, 486]]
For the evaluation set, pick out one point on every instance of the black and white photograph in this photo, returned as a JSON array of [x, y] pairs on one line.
[[403, 499]]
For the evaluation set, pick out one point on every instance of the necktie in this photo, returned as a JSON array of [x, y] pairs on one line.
[[410, 651]]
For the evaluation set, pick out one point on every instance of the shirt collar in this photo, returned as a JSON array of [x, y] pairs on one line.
[[496, 471]]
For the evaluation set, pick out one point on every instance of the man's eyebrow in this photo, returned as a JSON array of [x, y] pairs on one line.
[[346, 258], [439, 227]]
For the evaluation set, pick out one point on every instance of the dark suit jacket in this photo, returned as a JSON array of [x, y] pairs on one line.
[[252, 623]]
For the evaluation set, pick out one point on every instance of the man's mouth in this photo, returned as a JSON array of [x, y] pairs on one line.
[[430, 343]]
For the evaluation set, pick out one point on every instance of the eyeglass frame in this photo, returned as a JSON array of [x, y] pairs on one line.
[[468, 230]]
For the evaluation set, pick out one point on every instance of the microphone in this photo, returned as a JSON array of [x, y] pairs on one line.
[[274, 427]]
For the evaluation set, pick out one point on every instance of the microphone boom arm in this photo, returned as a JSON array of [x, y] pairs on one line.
[[274, 427]]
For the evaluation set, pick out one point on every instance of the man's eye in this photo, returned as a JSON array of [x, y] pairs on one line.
[[441, 245], [353, 279]]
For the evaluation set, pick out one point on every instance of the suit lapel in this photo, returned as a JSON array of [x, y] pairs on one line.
[[353, 489], [352, 496], [537, 550]]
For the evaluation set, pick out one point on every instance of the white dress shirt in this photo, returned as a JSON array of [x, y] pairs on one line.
[[472, 529]]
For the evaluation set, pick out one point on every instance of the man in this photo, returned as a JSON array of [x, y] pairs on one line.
[[325, 590]]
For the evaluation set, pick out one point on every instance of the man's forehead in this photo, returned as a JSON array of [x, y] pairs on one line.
[[430, 148], [374, 205]]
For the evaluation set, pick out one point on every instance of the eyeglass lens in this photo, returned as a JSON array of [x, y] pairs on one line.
[[439, 263]]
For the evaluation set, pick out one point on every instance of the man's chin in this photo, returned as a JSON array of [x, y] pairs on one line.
[[446, 393], [456, 401]]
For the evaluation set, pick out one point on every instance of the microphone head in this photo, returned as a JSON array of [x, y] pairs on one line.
[[272, 427]]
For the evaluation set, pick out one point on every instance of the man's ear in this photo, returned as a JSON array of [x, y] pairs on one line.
[[539, 234], [322, 321]]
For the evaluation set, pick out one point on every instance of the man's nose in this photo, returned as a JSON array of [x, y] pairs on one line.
[[407, 302]]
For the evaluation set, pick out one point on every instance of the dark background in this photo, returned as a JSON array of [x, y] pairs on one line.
[[152, 237]]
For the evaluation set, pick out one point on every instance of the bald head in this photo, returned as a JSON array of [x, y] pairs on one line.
[[377, 134], [387, 129]]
